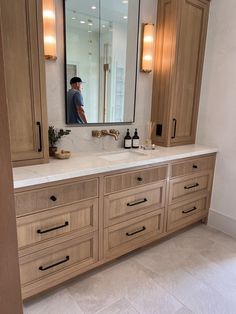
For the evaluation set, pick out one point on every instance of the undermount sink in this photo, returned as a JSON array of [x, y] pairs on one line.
[[121, 155]]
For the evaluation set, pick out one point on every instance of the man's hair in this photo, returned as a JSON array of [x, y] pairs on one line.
[[75, 80]]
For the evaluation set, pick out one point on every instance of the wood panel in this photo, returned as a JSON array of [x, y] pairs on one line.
[[184, 213], [180, 42], [57, 195], [25, 76], [192, 165], [122, 237], [10, 293], [189, 186], [80, 218], [132, 179], [190, 57], [59, 259], [123, 206]]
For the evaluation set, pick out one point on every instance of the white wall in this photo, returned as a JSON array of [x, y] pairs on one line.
[[80, 138], [217, 117]]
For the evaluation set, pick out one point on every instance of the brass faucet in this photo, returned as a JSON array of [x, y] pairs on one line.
[[114, 133]]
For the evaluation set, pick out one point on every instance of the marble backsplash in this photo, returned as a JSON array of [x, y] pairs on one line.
[[80, 138]]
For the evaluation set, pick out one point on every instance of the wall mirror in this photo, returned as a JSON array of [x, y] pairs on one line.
[[101, 45]]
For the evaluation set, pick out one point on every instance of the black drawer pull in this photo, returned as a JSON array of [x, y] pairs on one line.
[[56, 264], [174, 124], [139, 179], [53, 198], [52, 229], [189, 210], [195, 166], [187, 187], [40, 136], [137, 202], [135, 232]]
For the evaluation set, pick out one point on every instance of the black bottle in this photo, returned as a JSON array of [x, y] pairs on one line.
[[127, 140], [135, 139]]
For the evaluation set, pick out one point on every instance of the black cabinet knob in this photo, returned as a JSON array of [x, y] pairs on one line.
[[139, 179], [53, 198], [195, 166]]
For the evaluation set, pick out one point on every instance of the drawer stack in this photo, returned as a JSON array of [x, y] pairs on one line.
[[134, 206], [190, 191], [57, 229]]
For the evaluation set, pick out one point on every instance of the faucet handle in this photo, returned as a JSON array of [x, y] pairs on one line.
[[96, 133], [116, 132]]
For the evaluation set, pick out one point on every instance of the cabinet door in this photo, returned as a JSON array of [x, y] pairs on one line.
[[190, 56], [25, 79]]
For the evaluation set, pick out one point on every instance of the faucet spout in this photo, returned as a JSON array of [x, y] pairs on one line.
[[113, 133]]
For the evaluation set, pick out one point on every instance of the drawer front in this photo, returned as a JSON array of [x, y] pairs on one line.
[[119, 182], [48, 225], [59, 260], [122, 206], [180, 215], [192, 166], [41, 199], [124, 237], [186, 187]]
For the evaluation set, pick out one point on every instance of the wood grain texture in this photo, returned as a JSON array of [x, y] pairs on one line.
[[25, 77], [10, 293], [82, 251], [36, 200], [183, 214], [80, 218], [192, 165], [132, 179], [189, 186], [123, 206], [181, 37], [120, 237]]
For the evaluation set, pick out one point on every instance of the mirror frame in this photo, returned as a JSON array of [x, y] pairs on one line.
[[136, 74]]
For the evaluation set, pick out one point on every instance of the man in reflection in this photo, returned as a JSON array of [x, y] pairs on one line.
[[75, 102]]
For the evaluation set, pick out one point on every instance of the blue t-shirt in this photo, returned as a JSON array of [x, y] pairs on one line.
[[74, 99]]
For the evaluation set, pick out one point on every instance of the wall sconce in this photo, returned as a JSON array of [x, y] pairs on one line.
[[49, 25], [147, 48]]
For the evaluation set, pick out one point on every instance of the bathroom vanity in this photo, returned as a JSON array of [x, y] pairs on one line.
[[75, 215]]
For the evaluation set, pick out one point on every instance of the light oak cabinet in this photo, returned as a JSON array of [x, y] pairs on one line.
[[22, 26], [68, 227], [180, 46]]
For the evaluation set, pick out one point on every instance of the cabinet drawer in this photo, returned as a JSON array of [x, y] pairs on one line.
[[58, 195], [186, 187], [123, 181], [81, 218], [59, 260], [122, 206], [124, 237], [192, 166], [180, 215]]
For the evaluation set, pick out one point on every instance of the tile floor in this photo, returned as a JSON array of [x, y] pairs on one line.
[[193, 272]]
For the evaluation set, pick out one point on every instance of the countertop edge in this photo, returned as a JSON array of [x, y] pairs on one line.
[[26, 183]]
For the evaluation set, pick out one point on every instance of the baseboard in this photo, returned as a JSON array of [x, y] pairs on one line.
[[222, 223]]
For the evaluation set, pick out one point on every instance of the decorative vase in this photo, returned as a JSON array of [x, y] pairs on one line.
[[52, 151]]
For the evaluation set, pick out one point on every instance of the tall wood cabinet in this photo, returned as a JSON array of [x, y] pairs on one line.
[[180, 46], [25, 79]]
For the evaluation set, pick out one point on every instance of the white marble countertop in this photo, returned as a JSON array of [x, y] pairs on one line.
[[82, 164]]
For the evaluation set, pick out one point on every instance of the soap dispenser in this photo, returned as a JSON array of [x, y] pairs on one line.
[[135, 139], [127, 140]]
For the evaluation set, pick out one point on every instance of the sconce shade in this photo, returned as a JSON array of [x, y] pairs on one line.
[[148, 47], [49, 24]]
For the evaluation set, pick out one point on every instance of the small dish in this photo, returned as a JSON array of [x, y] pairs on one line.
[[62, 154]]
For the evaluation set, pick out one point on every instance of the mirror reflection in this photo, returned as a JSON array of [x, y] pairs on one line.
[[101, 38]]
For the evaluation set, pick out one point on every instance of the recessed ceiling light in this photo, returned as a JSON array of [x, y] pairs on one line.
[[90, 24], [89, 31], [82, 22], [73, 18], [125, 17], [93, 7], [125, 1], [103, 26]]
